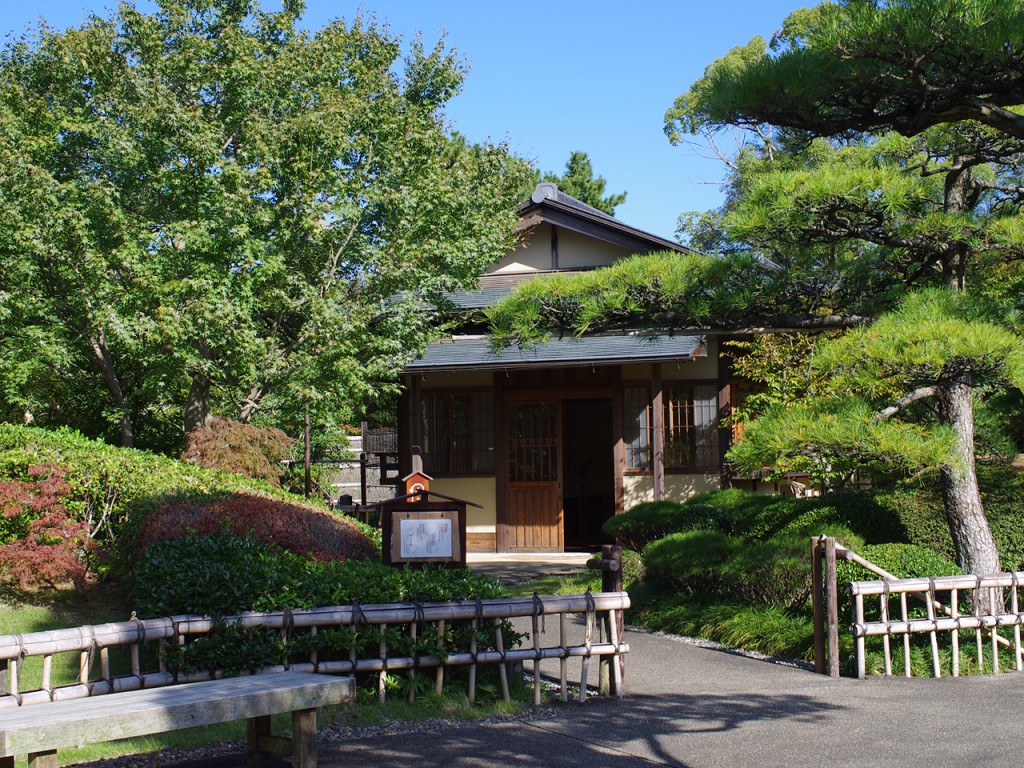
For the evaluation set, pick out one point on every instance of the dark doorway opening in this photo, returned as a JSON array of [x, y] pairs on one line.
[[588, 471]]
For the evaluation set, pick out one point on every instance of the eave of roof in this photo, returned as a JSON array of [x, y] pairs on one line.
[[475, 353]]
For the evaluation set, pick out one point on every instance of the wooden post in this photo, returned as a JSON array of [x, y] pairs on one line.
[[818, 600], [658, 428], [832, 606], [304, 738], [256, 729], [46, 759]]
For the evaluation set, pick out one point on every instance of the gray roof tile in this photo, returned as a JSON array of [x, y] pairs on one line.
[[475, 353]]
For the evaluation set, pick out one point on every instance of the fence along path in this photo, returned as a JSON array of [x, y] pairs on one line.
[[485, 617], [982, 604]]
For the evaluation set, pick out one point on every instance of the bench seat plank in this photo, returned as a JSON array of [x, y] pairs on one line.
[[74, 723]]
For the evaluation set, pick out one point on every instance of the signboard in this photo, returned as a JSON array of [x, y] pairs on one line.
[[426, 536]]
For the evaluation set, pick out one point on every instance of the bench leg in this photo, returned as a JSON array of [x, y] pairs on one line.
[[6, 762], [42, 759], [256, 729], [304, 738]]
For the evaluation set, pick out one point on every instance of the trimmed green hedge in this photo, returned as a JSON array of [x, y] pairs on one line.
[[222, 574]]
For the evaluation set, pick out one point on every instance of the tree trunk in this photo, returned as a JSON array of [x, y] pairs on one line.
[[197, 408], [976, 550], [105, 361]]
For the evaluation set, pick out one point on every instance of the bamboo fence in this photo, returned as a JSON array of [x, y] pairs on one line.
[[951, 604], [988, 611], [601, 637]]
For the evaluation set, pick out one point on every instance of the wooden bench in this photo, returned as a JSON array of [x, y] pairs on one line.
[[40, 730]]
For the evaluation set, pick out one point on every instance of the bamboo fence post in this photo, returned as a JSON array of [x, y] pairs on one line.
[[936, 669], [616, 669], [563, 661], [995, 629], [472, 667], [886, 648], [832, 606], [587, 637], [412, 672], [818, 601], [12, 677], [382, 676], [499, 642], [906, 636], [976, 598], [439, 680], [859, 620], [47, 669], [1015, 608], [536, 658], [84, 666], [954, 599], [604, 676], [105, 663]]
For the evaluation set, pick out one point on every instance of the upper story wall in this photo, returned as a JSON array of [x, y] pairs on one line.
[[551, 247]]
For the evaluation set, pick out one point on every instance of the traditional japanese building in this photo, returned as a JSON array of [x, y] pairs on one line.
[[554, 439]]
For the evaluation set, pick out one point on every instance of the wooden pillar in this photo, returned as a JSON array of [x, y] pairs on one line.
[[619, 449], [818, 602], [501, 537], [832, 606], [724, 412], [658, 428]]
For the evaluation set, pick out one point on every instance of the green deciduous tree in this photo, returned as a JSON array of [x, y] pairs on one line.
[[213, 211]]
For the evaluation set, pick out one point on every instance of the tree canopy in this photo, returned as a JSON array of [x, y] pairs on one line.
[[580, 182], [208, 210]]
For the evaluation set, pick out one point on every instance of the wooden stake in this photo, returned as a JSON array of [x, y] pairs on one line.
[[499, 641], [563, 662], [439, 681], [954, 600]]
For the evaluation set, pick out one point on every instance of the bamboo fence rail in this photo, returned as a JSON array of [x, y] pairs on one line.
[[485, 617]]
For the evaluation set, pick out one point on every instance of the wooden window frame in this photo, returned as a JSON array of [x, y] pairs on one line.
[[467, 439], [668, 387]]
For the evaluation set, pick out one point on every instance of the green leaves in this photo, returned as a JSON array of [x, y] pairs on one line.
[[210, 202]]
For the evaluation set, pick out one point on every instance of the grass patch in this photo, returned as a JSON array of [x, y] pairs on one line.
[[570, 583]]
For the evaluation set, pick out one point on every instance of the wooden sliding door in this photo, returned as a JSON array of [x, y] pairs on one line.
[[533, 476]]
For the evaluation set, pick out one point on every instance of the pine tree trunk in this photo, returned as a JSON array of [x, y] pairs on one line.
[[976, 550]]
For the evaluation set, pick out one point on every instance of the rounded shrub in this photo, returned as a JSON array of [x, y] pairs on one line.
[[905, 561], [690, 561], [292, 527]]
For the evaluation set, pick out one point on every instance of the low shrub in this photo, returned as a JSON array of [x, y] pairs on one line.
[[292, 527], [223, 574], [655, 519], [905, 561], [256, 452], [690, 561]]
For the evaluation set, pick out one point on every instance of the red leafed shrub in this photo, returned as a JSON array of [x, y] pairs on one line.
[[292, 527], [241, 448], [43, 545]]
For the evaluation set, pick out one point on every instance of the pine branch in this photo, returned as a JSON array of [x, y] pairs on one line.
[[905, 401]]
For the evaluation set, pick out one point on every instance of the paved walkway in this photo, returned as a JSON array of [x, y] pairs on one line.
[[699, 707]]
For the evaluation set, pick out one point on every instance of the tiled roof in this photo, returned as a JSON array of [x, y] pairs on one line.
[[496, 286], [475, 353]]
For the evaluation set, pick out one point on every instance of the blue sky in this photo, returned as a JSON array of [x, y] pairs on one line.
[[552, 77]]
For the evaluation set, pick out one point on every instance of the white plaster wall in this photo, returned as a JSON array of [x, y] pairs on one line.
[[576, 251], [533, 256], [479, 490], [637, 489]]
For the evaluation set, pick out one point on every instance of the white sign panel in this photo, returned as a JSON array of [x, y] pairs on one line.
[[425, 537]]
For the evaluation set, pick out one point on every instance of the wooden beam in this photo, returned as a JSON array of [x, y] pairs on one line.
[[724, 412], [658, 428], [619, 449], [500, 464]]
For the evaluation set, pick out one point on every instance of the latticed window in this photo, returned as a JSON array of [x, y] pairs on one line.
[[637, 402], [691, 427], [458, 433]]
